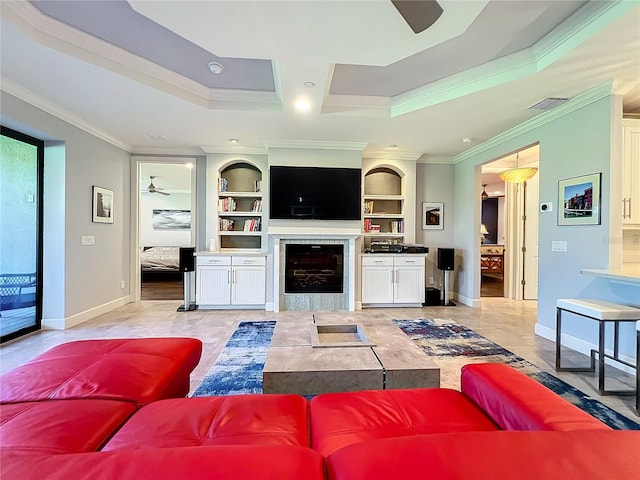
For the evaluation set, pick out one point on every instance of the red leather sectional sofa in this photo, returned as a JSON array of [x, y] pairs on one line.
[[103, 409]]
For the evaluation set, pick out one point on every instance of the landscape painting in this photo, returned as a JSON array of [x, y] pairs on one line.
[[579, 199], [171, 219]]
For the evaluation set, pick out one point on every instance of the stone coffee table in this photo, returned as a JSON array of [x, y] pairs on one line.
[[344, 356]]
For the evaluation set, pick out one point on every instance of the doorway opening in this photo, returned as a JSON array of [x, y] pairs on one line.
[[509, 238], [165, 209]]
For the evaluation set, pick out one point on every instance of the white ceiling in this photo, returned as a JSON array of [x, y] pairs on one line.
[[472, 74]]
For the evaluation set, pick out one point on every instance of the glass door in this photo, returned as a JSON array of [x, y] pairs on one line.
[[21, 167]]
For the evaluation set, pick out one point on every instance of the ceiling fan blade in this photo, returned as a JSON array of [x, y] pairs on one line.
[[419, 14], [153, 189]]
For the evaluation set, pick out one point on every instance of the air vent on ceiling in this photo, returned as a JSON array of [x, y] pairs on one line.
[[548, 103]]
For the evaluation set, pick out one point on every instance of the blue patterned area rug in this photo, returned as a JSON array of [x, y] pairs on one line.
[[453, 345], [238, 368]]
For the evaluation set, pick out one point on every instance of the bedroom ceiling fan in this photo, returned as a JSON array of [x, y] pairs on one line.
[[153, 189]]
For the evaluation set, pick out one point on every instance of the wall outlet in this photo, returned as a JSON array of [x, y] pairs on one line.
[[635, 240], [430, 280], [122, 284]]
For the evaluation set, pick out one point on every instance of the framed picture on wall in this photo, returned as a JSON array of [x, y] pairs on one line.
[[171, 219], [432, 215], [102, 205], [579, 200]]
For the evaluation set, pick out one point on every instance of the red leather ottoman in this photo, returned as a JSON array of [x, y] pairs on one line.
[[60, 426], [341, 419], [139, 371], [541, 455], [246, 462], [232, 420], [517, 402]]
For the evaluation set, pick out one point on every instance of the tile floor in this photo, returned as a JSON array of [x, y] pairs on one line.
[[506, 322]]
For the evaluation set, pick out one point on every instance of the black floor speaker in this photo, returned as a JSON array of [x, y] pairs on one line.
[[187, 265], [187, 260], [446, 258]]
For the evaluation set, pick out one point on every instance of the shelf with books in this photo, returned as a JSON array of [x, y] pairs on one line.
[[383, 203], [239, 207], [244, 205], [384, 226]]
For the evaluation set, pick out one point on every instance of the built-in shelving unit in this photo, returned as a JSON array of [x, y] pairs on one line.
[[239, 208], [383, 206]]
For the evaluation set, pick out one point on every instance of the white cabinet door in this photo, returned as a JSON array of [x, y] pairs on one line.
[[409, 284], [213, 285], [249, 285], [377, 284], [389, 279], [631, 176], [409, 279]]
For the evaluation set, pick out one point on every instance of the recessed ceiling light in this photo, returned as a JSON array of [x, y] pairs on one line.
[[234, 140], [466, 140], [302, 105], [215, 67], [309, 84]]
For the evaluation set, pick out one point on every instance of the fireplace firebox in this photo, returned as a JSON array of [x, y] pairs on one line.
[[314, 268]]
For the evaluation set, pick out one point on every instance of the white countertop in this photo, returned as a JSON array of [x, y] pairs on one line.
[[237, 253], [628, 274]]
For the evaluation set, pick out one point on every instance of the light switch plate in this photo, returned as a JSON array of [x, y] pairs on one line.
[[558, 246], [88, 240]]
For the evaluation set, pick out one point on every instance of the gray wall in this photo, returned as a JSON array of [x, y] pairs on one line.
[[435, 183], [74, 162]]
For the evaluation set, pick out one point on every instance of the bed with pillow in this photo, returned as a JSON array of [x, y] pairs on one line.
[[160, 262]]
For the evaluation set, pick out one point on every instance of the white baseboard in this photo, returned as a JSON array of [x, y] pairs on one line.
[[584, 347], [78, 318], [469, 302]]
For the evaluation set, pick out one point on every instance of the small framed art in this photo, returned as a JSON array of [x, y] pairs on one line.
[[102, 205], [579, 200], [432, 215]]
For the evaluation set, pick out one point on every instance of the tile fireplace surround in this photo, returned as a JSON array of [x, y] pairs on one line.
[[313, 301]]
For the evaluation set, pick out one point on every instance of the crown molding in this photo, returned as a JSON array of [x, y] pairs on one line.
[[184, 152], [482, 77], [315, 145], [357, 105], [436, 160], [582, 25], [582, 100], [589, 20], [229, 149], [384, 155], [56, 34], [51, 108]]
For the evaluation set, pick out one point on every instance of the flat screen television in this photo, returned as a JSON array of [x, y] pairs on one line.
[[315, 193]]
